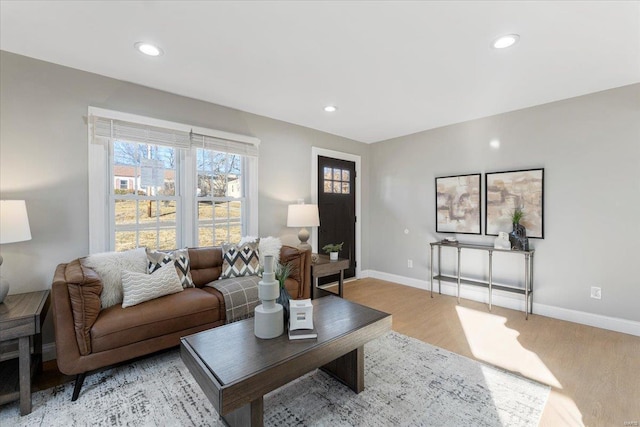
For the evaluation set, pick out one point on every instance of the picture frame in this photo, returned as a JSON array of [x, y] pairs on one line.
[[506, 191], [458, 204]]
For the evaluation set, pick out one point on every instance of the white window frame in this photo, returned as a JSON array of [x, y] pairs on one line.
[[101, 177]]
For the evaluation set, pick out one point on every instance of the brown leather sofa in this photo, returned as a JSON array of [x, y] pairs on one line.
[[88, 338]]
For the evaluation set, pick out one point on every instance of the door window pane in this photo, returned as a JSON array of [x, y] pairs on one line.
[[327, 173], [336, 181]]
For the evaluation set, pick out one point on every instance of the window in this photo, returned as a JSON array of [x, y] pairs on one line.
[[124, 184], [336, 181], [220, 197], [145, 215], [167, 185]]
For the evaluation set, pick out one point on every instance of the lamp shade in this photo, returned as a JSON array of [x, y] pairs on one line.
[[303, 216], [14, 222]]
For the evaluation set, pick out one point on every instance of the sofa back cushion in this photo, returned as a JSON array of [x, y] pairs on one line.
[[206, 264]]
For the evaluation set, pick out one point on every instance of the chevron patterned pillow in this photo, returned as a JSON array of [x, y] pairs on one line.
[[180, 259], [240, 260]]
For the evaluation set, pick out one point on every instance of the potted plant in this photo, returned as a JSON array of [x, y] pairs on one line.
[[518, 237], [282, 272], [516, 216], [332, 249]]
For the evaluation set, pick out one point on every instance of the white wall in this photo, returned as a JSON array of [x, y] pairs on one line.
[[590, 149], [43, 157]]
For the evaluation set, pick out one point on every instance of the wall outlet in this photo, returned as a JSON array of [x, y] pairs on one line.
[[596, 292], [410, 263]]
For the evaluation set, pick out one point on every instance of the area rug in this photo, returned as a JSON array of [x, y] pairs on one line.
[[407, 383]]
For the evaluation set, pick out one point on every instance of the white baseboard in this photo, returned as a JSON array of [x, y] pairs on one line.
[[48, 352], [515, 302]]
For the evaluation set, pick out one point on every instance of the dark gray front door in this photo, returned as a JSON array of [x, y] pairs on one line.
[[337, 209]]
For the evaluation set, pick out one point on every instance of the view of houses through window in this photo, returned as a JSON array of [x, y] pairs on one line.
[[219, 197], [146, 208], [147, 201]]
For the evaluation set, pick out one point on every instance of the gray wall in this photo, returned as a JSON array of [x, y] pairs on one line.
[[590, 149], [43, 158]]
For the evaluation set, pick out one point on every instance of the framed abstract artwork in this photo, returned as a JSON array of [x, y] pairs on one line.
[[507, 191], [458, 204]]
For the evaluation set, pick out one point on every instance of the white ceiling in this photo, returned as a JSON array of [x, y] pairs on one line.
[[392, 68]]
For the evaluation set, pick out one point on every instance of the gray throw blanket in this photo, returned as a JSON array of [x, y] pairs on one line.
[[240, 296]]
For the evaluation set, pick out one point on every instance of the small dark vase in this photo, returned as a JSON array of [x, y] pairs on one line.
[[518, 238], [283, 300]]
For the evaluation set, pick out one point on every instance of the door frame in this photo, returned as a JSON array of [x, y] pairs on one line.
[[315, 153]]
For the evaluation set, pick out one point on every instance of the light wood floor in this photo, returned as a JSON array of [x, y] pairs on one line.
[[594, 373]]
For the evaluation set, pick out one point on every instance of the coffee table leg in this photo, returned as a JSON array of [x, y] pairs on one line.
[[349, 369], [250, 414]]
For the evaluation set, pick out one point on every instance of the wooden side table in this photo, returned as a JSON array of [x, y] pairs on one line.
[[325, 267], [21, 318]]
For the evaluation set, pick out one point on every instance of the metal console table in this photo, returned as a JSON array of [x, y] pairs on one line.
[[527, 291]]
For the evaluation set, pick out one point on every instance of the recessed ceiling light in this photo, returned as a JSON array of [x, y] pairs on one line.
[[148, 49], [330, 108], [495, 143], [505, 41]]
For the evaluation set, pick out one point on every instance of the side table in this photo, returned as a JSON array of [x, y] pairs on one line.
[[325, 267], [21, 318]]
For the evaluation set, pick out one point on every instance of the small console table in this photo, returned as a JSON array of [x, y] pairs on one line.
[[325, 267], [21, 318], [527, 291]]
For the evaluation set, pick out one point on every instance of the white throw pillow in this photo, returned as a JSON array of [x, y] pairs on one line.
[[269, 246], [248, 239], [110, 265], [141, 287]]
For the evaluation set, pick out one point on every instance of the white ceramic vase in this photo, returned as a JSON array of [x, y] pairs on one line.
[[4, 288]]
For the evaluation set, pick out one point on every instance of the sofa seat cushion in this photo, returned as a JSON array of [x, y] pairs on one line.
[[118, 327]]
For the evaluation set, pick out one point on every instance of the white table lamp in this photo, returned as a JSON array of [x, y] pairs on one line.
[[14, 227], [303, 216]]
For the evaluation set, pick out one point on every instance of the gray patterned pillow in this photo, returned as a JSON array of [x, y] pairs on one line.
[[238, 261], [180, 258]]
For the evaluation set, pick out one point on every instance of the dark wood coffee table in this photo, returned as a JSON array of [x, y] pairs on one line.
[[235, 369]]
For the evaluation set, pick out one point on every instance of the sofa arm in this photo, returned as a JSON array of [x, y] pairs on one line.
[[299, 282], [76, 303]]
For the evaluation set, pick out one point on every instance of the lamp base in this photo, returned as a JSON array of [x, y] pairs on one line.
[[305, 247], [303, 236], [4, 288]]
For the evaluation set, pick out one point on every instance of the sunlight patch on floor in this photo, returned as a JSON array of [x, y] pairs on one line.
[[491, 341]]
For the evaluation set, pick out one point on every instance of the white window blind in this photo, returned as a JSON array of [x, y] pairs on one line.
[[141, 133], [223, 145]]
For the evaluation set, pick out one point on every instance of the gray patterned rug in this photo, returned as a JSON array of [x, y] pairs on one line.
[[407, 383]]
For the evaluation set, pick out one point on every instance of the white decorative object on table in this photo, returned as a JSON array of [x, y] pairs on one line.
[[269, 319], [502, 241], [301, 314], [14, 227]]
